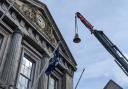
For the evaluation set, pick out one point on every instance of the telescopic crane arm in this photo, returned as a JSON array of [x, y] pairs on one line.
[[120, 59]]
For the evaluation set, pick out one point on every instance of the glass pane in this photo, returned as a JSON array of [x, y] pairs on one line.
[[25, 73], [22, 83], [26, 67], [26, 62]]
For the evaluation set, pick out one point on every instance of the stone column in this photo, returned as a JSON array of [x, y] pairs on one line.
[[11, 63], [44, 78]]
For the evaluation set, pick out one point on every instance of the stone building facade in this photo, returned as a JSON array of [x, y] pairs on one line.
[[28, 36]]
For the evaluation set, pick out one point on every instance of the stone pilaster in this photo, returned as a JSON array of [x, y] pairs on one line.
[[11, 63], [44, 78], [68, 82]]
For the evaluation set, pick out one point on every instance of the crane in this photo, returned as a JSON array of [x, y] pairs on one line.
[[120, 59]]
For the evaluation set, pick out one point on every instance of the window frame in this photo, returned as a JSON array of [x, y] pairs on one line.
[[34, 58], [30, 80], [3, 36], [4, 46], [5, 39], [58, 77], [56, 81]]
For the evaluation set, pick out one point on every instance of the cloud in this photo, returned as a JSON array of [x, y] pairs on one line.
[[99, 69], [96, 75], [104, 70]]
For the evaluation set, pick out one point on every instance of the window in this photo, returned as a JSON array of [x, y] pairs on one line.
[[24, 77], [52, 83], [1, 39]]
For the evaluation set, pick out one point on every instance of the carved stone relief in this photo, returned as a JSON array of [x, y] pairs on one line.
[[36, 16], [27, 9], [50, 34]]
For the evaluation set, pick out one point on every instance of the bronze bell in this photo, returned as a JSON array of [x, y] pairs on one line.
[[76, 38]]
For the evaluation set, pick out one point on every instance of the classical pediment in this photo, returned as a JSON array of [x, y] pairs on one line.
[[37, 17], [42, 22]]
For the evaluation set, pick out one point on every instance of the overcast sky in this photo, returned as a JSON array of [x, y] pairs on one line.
[[111, 16]]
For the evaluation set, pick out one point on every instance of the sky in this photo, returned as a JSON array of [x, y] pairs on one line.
[[110, 16]]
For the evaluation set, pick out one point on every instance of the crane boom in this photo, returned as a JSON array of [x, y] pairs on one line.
[[120, 59]]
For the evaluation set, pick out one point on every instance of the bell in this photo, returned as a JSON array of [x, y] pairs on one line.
[[76, 38]]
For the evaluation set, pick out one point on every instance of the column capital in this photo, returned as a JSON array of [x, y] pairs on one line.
[[22, 32], [17, 30]]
